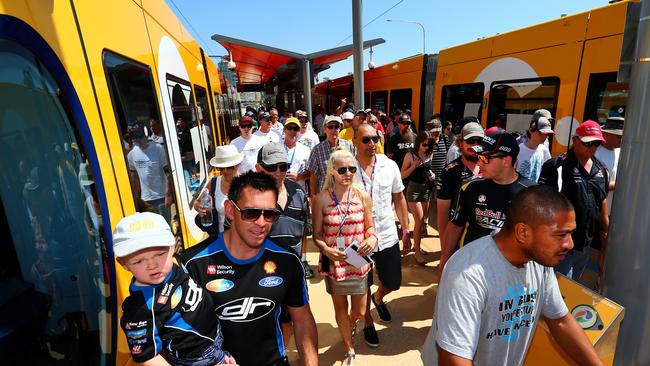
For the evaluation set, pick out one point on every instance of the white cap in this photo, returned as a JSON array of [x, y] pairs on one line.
[[347, 115], [140, 231]]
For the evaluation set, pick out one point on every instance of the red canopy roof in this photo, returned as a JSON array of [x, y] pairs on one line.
[[257, 63]]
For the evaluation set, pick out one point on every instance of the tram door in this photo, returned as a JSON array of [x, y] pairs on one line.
[[53, 256]]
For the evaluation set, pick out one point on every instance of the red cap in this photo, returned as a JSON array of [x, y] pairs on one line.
[[589, 131]]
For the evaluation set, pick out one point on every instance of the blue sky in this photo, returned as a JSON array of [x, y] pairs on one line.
[[308, 26]]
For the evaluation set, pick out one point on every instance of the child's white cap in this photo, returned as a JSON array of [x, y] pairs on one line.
[[140, 231]]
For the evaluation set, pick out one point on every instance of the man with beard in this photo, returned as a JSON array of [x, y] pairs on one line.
[[250, 278], [493, 292], [452, 176], [401, 141]]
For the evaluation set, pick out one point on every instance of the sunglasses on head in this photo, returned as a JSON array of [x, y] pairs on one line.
[[474, 140], [333, 127], [485, 159], [274, 167], [366, 139], [595, 143], [246, 126], [343, 169], [292, 128], [252, 214]]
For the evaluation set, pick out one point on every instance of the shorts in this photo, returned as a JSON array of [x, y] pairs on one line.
[[417, 192], [389, 268], [213, 355], [349, 286]]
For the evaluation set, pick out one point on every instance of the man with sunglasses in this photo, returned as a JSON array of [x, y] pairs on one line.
[[449, 181], [483, 202], [265, 131], [250, 278], [307, 135], [583, 179], [381, 178], [298, 153], [320, 154], [247, 144], [276, 126]]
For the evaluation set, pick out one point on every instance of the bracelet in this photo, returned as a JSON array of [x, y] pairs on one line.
[[405, 232]]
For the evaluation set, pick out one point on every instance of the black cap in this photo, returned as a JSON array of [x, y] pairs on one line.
[[499, 142]]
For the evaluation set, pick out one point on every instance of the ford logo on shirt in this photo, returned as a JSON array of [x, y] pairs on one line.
[[271, 281]]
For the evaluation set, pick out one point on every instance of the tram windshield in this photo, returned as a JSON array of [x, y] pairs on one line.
[[53, 277]]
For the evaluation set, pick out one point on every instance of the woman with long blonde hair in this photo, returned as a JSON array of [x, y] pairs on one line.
[[342, 216]]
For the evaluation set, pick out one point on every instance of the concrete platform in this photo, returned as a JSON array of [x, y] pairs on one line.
[[411, 308]]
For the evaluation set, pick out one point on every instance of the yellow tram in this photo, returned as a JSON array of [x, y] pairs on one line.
[[75, 78]]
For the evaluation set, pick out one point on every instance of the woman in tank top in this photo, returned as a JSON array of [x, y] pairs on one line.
[[342, 217], [417, 167]]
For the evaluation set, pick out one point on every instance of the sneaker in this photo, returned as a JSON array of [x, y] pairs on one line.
[[382, 310], [370, 335], [309, 273]]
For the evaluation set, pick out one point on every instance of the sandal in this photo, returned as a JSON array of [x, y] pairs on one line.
[[419, 258]]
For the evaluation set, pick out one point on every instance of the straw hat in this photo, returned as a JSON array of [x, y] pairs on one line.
[[226, 156]]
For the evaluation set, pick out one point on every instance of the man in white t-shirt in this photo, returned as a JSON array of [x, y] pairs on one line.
[[533, 153], [276, 126], [247, 144], [265, 130], [307, 136], [148, 160], [297, 153], [609, 152], [493, 292]]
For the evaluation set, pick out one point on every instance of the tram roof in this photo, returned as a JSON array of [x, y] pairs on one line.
[[258, 63]]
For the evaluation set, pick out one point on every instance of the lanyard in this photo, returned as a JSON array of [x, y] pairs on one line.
[[372, 175], [338, 207], [293, 155]]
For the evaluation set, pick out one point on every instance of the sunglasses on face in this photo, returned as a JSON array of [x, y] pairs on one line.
[[424, 145], [292, 128], [447, 128], [404, 123], [333, 127], [474, 140], [273, 117], [343, 169], [591, 143], [274, 167], [245, 126], [485, 159], [252, 214], [228, 168], [366, 139]]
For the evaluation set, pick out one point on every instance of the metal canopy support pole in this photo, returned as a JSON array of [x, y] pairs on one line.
[[357, 41], [627, 267], [306, 86]]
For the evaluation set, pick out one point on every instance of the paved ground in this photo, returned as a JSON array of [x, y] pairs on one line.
[[411, 308]]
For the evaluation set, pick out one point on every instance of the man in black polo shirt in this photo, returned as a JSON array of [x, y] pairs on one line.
[[483, 201], [451, 178], [583, 179], [401, 141], [250, 278]]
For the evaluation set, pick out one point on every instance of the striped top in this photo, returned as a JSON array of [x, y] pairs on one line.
[[353, 229]]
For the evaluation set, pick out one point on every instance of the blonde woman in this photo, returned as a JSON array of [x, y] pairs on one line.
[[342, 214]]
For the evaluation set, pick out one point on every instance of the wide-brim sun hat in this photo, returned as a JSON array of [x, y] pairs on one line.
[[226, 156]]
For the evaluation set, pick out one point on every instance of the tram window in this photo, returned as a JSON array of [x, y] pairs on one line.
[[188, 134], [460, 101], [145, 143], [605, 97], [380, 98], [513, 102], [400, 99], [55, 290], [205, 121]]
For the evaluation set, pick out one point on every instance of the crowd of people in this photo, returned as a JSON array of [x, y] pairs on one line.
[[506, 212]]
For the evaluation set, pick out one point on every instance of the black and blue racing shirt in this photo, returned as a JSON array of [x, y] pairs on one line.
[[248, 295], [175, 316]]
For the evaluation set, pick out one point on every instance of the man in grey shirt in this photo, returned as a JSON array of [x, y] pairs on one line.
[[493, 292]]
